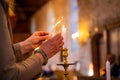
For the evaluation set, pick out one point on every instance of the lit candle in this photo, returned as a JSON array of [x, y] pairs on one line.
[[64, 36], [108, 70]]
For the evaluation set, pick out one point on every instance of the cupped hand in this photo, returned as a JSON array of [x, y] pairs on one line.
[[34, 41], [52, 45], [37, 38]]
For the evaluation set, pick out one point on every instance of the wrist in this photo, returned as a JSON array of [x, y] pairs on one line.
[[40, 57], [43, 54], [25, 47]]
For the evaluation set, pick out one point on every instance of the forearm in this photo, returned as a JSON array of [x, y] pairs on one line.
[[17, 52], [25, 47], [20, 49], [25, 70], [29, 68]]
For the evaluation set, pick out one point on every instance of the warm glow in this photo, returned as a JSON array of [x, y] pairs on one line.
[[96, 29], [83, 32], [90, 73], [63, 29], [53, 30], [75, 78], [75, 35], [11, 13], [102, 72], [57, 25]]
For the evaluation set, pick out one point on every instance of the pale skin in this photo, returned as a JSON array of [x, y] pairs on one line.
[[44, 40]]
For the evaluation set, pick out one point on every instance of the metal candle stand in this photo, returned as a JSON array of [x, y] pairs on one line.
[[65, 64]]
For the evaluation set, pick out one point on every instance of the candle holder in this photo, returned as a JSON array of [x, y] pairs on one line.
[[65, 64]]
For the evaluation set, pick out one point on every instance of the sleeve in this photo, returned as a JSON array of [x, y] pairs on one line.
[[17, 52], [29, 68], [9, 69]]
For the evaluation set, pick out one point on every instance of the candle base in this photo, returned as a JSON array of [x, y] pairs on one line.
[[65, 64]]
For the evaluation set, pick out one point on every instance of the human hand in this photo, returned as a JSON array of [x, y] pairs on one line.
[[37, 38], [52, 45], [34, 41]]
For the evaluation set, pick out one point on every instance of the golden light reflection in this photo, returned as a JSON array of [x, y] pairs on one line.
[[11, 12], [84, 33], [96, 29], [102, 72]]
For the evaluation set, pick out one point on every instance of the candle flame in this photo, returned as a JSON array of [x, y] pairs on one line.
[[56, 24], [63, 28], [75, 35], [90, 73]]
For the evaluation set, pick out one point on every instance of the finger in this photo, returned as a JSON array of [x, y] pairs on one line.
[[57, 36], [44, 37], [58, 45], [60, 48], [44, 33], [41, 33], [61, 44], [59, 41]]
